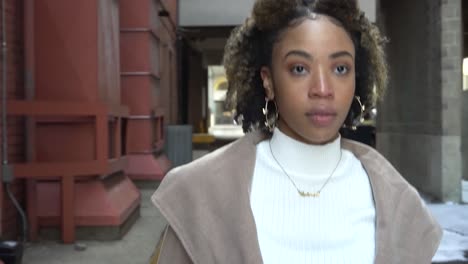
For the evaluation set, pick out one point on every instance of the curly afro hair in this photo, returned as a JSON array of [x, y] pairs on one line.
[[250, 47]]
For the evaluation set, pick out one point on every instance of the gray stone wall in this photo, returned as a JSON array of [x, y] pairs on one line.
[[464, 135], [419, 120], [452, 49], [464, 122]]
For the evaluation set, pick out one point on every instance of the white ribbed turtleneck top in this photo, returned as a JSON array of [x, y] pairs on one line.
[[337, 227]]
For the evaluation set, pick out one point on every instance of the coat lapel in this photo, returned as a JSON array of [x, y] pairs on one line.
[[405, 230], [378, 190]]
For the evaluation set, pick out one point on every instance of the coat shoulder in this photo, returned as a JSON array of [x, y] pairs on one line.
[[207, 169], [375, 163], [189, 195]]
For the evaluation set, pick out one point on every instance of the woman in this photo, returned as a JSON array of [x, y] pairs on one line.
[[292, 190]]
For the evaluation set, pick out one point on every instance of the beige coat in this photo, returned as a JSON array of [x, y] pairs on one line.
[[206, 204]]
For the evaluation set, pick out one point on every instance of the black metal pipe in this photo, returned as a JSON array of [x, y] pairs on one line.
[[4, 89], [7, 172], [20, 211]]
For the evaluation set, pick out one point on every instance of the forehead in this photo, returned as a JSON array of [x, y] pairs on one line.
[[319, 35]]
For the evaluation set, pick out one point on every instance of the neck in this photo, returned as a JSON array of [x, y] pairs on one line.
[[305, 160]]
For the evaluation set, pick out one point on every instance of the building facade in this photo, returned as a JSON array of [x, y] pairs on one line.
[[90, 87], [422, 120]]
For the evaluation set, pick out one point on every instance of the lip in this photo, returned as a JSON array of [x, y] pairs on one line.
[[321, 117]]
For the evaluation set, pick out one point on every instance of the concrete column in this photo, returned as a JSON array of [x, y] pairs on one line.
[[452, 47], [419, 121]]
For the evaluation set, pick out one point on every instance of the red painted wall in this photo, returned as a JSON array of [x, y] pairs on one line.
[[9, 220], [66, 34], [77, 59], [108, 52], [133, 15], [147, 40], [83, 36]]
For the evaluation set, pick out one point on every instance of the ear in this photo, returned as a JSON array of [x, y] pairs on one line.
[[265, 73]]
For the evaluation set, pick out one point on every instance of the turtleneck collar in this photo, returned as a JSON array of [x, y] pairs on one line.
[[308, 161]]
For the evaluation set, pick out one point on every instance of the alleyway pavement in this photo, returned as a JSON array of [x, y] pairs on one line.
[[136, 247]]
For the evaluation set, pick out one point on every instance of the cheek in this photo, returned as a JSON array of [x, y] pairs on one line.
[[347, 94], [344, 99], [347, 102], [287, 102], [291, 109], [351, 93], [284, 92]]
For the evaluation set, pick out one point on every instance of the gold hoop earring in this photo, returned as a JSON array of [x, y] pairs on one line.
[[362, 108], [360, 119], [270, 118]]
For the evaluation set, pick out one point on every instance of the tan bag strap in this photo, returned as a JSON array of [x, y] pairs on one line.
[[159, 247]]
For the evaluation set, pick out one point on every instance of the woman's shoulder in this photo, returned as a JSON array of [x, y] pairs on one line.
[[375, 164], [215, 169], [215, 161], [386, 180], [199, 169]]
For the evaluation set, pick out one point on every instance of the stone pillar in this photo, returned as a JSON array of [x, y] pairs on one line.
[[452, 59], [419, 121]]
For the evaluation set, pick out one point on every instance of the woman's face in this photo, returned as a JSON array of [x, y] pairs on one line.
[[312, 79]]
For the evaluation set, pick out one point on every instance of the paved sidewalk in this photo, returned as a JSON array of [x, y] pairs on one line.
[[454, 220], [136, 247], [138, 244]]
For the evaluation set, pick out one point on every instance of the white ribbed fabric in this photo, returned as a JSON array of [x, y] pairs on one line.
[[337, 227]]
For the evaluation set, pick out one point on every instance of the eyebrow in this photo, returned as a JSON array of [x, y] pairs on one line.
[[341, 54], [306, 55], [299, 53]]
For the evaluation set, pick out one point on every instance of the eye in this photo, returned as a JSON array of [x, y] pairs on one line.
[[341, 70], [298, 70]]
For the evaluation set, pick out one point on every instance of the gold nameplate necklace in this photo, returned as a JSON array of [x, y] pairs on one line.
[[301, 192]]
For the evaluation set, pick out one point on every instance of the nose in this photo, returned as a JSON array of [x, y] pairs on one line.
[[321, 86]]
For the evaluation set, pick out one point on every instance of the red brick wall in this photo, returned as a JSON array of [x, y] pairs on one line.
[[9, 220]]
